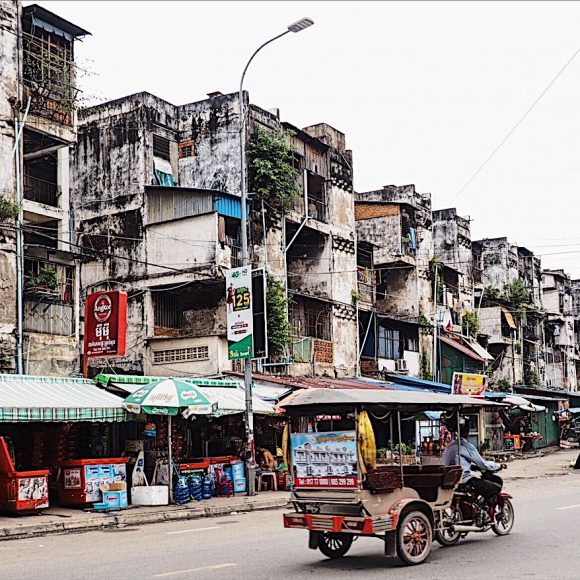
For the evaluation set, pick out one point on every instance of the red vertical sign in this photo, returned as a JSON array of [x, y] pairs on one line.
[[106, 324]]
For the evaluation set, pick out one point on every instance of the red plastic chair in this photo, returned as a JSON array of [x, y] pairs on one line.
[[222, 483]]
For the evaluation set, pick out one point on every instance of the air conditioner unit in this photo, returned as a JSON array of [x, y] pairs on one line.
[[401, 365]]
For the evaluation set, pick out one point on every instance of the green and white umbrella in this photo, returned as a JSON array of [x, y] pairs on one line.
[[168, 397]]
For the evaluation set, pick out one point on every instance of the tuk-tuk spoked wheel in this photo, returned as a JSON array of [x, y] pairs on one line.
[[334, 545], [414, 537]]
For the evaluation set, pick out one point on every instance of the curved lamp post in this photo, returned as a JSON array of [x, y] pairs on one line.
[[297, 26]]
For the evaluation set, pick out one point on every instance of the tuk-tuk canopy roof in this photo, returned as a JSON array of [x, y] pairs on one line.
[[317, 400]]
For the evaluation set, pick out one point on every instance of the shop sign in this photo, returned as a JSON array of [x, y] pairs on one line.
[[239, 313], [150, 430], [106, 324], [469, 384], [33, 489], [327, 460], [202, 409], [72, 478]]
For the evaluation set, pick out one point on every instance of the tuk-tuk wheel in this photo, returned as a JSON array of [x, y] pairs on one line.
[[414, 537], [334, 545]]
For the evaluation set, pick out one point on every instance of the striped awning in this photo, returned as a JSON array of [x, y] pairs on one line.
[[30, 399]]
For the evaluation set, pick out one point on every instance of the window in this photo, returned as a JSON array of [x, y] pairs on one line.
[[389, 343], [412, 344], [161, 148], [311, 318], [193, 353], [186, 149]]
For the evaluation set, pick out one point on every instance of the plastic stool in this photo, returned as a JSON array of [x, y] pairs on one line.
[[265, 474]]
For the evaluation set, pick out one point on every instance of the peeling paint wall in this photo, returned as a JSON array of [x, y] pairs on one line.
[[213, 126], [452, 244], [499, 262]]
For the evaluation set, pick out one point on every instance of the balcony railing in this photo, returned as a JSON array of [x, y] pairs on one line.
[[41, 191], [236, 248], [367, 284]]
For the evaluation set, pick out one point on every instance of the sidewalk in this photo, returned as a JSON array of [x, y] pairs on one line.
[[65, 520], [59, 520]]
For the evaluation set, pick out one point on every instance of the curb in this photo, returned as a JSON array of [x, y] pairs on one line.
[[135, 519]]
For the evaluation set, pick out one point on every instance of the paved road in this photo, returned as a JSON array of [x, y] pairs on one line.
[[543, 544]]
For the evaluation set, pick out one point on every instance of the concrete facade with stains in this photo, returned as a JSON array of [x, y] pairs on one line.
[[169, 246], [394, 228], [42, 103]]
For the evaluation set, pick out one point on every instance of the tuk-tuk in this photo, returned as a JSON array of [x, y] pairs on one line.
[[338, 491]]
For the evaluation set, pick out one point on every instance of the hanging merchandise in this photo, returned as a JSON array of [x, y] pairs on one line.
[[366, 442]]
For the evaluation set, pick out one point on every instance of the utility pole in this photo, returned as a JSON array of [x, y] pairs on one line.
[[249, 414]]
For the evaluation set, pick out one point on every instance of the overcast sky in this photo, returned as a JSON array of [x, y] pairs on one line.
[[424, 91]]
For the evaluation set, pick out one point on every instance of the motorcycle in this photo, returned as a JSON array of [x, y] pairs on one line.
[[470, 513]]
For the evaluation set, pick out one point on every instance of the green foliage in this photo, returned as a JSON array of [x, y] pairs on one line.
[[356, 297], [405, 448], [531, 377], [470, 324], [46, 278], [426, 367], [9, 210], [504, 385], [518, 347], [423, 320], [272, 176], [279, 328], [491, 292], [517, 294]]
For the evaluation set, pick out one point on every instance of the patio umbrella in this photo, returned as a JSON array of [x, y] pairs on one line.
[[168, 397], [523, 403]]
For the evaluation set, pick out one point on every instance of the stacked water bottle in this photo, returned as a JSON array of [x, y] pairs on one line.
[[238, 477], [195, 488]]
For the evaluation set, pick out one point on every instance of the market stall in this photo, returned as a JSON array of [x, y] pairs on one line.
[[46, 421], [209, 445]]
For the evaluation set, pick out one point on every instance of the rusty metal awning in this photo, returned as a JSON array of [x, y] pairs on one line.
[[509, 319]]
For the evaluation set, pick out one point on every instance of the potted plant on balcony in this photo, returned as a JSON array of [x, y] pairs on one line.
[[45, 279]]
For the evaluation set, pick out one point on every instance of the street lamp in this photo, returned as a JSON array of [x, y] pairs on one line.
[[297, 26]]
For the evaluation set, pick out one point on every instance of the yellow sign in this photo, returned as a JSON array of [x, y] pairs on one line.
[[469, 384]]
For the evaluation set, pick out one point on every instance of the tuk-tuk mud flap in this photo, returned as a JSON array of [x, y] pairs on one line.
[[391, 544], [313, 540]]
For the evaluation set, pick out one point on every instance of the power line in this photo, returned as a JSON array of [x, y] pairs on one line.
[[513, 129]]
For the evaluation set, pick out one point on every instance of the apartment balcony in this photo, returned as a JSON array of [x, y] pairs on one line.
[[41, 191], [367, 286]]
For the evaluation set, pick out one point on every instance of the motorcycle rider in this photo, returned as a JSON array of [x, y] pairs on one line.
[[469, 455]]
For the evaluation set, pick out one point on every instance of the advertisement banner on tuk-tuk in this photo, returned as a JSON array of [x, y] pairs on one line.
[[325, 459], [469, 384]]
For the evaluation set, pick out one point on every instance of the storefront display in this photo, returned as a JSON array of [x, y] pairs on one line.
[[21, 491], [82, 479]]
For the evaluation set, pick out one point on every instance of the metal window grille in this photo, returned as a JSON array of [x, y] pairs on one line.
[[174, 355], [311, 318], [161, 147], [186, 149]]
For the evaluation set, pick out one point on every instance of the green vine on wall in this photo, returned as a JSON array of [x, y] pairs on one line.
[[9, 210], [470, 324], [279, 328], [271, 176]]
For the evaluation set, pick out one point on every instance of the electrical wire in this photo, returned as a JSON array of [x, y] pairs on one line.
[[514, 128]]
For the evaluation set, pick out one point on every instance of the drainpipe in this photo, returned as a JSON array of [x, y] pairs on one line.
[[18, 156]]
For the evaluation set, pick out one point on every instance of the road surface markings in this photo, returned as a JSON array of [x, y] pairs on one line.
[[214, 567], [191, 530], [569, 507]]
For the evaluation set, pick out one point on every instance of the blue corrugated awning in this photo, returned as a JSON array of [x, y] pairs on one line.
[[30, 399], [420, 384], [386, 385], [51, 28]]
